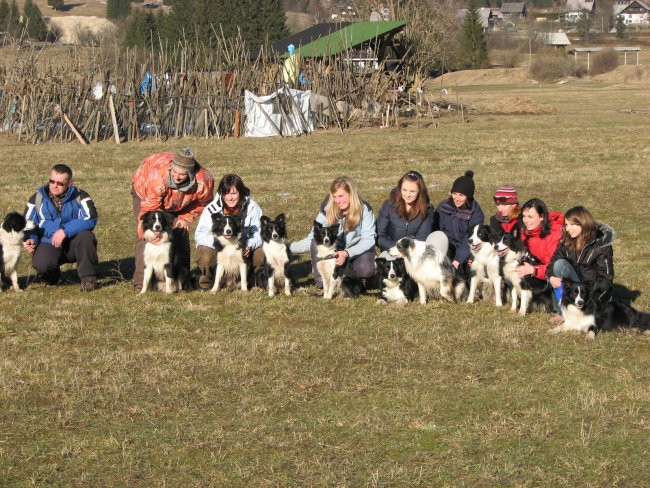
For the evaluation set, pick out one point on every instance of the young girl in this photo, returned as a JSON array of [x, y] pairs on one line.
[[584, 254], [232, 198], [357, 233], [456, 217], [508, 210], [541, 231], [407, 212]]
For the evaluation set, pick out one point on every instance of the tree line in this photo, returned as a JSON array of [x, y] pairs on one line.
[[30, 23]]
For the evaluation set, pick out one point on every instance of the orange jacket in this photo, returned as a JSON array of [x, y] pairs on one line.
[[150, 184]]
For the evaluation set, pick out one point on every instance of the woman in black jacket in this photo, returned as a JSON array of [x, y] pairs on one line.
[[407, 212], [584, 254]]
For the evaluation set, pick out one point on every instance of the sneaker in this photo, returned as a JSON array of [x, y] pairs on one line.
[[556, 319], [88, 286]]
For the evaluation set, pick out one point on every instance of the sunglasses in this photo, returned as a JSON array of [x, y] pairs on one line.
[[504, 201], [58, 183]]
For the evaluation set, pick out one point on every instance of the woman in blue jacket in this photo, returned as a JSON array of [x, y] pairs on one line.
[[456, 217], [408, 212], [357, 232]]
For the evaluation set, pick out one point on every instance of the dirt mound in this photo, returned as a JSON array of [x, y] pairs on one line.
[[519, 105], [626, 74], [495, 76], [73, 27]]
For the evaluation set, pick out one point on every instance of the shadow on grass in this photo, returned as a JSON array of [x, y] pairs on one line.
[[624, 293], [301, 273]]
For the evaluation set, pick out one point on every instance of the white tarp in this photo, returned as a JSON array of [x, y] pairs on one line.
[[286, 111]]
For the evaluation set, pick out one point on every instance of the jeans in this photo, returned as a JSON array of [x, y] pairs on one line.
[[563, 269]]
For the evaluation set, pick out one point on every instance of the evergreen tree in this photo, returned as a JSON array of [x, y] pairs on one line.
[[55, 4], [621, 28], [473, 45], [13, 21], [118, 9], [33, 21], [584, 25], [141, 30], [4, 15]]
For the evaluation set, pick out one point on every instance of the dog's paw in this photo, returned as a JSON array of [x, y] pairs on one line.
[[555, 330], [381, 301], [591, 336]]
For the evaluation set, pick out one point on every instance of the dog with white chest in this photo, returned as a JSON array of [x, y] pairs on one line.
[[275, 270], [229, 243], [12, 234], [160, 259], [485, 263]]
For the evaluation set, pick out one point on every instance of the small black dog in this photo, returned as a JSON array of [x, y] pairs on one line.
[[396, 284], [276, 256], [583, 311]]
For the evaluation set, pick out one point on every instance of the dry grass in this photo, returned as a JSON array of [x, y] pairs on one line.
[[114, 389]]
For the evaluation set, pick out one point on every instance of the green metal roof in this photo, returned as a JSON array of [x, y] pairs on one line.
[[349, 37]]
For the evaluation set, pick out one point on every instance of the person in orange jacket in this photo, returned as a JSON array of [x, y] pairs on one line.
[[175, 183]]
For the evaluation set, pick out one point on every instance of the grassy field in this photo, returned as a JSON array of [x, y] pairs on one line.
[[114, 389]]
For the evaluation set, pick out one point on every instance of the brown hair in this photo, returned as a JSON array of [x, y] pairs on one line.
[[419, 207], [515, 212], [353, 214], [582, 217]]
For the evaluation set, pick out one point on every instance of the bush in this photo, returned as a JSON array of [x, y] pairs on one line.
[[506, 59], [604, 61], [552, 67]]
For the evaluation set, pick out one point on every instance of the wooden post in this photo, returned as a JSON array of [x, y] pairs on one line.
[[205, 120], [116, 131], [237, 114], [80, 138], [96, 131]]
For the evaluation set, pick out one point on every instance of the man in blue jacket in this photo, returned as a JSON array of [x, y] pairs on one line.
[[64, 217]]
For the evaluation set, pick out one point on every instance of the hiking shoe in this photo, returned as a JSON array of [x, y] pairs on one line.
[[88, 286]]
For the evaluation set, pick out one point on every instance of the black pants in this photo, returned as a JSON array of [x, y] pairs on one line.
[[80, 249]]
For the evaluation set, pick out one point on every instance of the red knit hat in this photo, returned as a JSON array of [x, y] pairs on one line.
[[506, 194]]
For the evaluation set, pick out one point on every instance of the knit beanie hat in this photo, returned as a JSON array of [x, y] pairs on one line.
[[184, 160], [506, 194], [465, 185]]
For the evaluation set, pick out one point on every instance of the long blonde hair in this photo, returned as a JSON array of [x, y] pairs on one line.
[[353, 214]]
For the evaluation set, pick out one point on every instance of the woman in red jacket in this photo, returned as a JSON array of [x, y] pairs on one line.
[[541, 231]]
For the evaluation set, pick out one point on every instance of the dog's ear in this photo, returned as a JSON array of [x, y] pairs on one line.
[[264, 220], [216, 216], [567, 282], [380, 262], [317, 225], [280, 218], [145, 216]]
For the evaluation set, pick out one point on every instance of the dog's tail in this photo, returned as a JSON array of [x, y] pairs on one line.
[[641, 320], [460, 289]]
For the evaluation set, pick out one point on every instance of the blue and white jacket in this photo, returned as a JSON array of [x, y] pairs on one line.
[[77, 214], [359, 240], [250, 211]]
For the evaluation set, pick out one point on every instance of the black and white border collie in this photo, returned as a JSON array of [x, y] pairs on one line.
[[12, 234], [396, 284], [430, 269], [229, 244], [325, 239], [584, 312], [161, 261], [485, 263], [528, 292], [276, 256]]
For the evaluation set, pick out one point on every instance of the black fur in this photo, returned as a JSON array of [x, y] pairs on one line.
[[274, 235], [13, 227], [325, 235], [14, 222], [227, 226], [351, 285]]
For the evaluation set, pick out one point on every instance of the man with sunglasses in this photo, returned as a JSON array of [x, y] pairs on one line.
[[64, 217]]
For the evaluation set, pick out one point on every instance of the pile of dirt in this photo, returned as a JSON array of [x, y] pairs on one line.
[[626, 75], [519, 105], [494, 76]]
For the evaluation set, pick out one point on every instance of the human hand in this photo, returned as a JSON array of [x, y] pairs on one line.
[[58, 237], [455, 263], [247, 251], [525, 270], [29, 245], [341, 257], [555, 281], [155, 240], [181, 224]]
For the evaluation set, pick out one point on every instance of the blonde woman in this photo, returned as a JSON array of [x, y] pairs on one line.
[[356, 239]]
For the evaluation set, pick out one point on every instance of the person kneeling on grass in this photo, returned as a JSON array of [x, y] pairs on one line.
[[584, 254], [233, 198], [357, 233], [64, 217]]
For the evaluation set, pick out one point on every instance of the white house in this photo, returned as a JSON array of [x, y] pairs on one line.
[[633, 12], [575, 8]]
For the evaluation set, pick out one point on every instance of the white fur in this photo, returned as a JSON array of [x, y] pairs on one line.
[[331, 285], [277, 257], [11, 243], [575, 319], [230, 263], [509, 270], [484, 258], [155, 259], [423, 264]]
